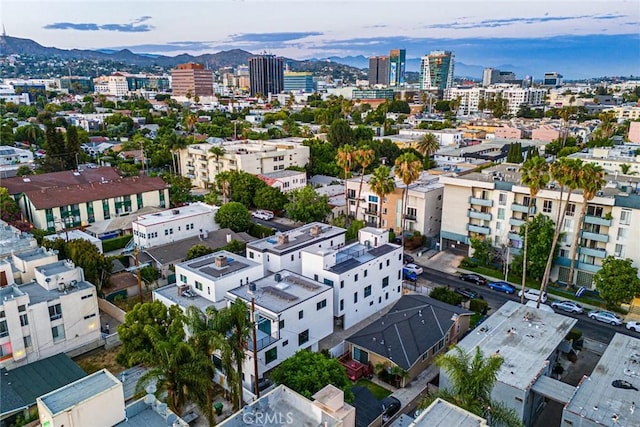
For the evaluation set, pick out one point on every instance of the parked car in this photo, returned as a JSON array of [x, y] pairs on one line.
[[543, 307], [533, 295], [633, 325], [416, 269], [474, 278], [264, 383], [467, 293], [502, 287], [409, 274], [569, 306], [390, 406], [264, 215], [606, 317], [407, 259]]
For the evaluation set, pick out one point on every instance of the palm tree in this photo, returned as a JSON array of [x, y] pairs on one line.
[[175, 142], [345, 159], [381, 183], [591, 181], [566, 172], [234, 323], [217, 151], [625, 168], [471, 381], [427, 144], [191, 120], [363, 156], [535, 175], [407, 167], [222, 184]]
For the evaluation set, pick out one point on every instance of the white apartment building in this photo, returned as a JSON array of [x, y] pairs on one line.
[[255, 157], [493, 204], [611, 159], [285, 180], [366, 276], [515, 95], [12, 156], [25, 263], [445, 137], [284, 250], [115, 84], [292, 313], [57, 312], [625, 112], [195, 219], [13, 241]]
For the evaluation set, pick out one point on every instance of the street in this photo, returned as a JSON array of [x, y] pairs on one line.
[[272, 224]]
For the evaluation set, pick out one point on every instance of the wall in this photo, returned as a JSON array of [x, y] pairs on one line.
[[111, 309]]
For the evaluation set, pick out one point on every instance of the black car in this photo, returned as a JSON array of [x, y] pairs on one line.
[[474, 278], [264, 383], [467, 293], [390, 405], [407, 259]]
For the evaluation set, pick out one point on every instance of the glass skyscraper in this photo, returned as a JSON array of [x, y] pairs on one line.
[[436, 70]]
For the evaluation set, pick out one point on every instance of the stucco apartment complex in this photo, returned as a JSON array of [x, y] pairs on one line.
[[71, 199], [255, 157], [492, 204]]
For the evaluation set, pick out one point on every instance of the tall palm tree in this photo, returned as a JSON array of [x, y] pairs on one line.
[[175, 143], [191, 120], [345, 159], [591, 180], [381, 183], [427, 144], [217, 151], [234, 323], [363, 157], [471, 379], [407, 167], [535, 175], [566, 172]]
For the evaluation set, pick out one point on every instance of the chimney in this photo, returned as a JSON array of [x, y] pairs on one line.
[[221, 261], [283, 238], [315, 230], [229, 238]]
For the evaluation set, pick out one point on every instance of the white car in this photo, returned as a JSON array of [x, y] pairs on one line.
[[633, 325], [569, 306], [414, 268], [264, 215], [606, 317]]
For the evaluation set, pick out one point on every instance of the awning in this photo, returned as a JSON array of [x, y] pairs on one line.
[[553, 389]]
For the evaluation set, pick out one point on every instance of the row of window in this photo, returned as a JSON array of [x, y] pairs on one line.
[[367, 293], [272, 354]]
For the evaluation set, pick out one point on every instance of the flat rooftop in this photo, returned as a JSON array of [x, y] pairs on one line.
[[596, 399], [356, 254], [55, 268], [72, 235], [33, 254], [206, 266], [444, 414], [281, 291], [298, 238], [171, 293], [140, 414], [13, 240], [186, 211], [38, 294], [524, 336], [83, 389], [281, 174]]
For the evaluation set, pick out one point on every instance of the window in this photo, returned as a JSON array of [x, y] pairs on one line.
[[502, 199], [55, 312], [367, 291], [619, 251], [571, 209], [5, 349], [625, 217], [623, 233], [139, 201], [360, 355], [341, 284], [57, 332], [198, 285], [22, 308], [500, 213], [271, 355], [498, 226], [285, 343], [322, 304], [183, 278], [315, 277], [388, 262], [105, 209], [303, 337], [355, 279], [86, 296], [365, 273], [27, 341], [281, 324], [568, 224], [355, 297], [4, 331], [328, 282], [438, 346], [547, 206], [251, 255], [341, 304], [292, 257], [300, 314], [373, 199], [89, 316], [24, 320], [380, 268]]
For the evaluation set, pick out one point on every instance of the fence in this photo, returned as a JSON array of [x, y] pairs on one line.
[[338, 350], [111, 309]]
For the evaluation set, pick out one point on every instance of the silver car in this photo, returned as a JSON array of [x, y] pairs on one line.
[[569, 306], [606, 317]]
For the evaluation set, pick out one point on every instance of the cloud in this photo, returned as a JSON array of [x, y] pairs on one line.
[[495, 23], [135, 26], [176, 46], [272, 37]]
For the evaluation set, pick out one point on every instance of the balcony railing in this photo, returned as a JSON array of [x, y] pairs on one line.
[[589, 219], [478, 229], [515, 236], [410, 217], [594, 252], [263, 340], [595, 236], [479, 215], [516, 222], [480, 202], [516, 207], [373, 212]]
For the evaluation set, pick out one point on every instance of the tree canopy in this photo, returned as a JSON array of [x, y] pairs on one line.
[[539, 240], [617, 281], [196, 251], [306, 205], [235, 216]]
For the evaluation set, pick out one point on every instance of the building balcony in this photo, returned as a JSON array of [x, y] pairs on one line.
[[373, 212], [479, 215], [594, 252], [515, 236], [190, 175], [263, 340], [478, 229], [480, 202], [523, 208], [589, 219], [595, 236], [566, 262], [517, 222], [410, 217]]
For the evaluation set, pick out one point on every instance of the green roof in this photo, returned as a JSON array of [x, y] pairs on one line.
[[21, 386]]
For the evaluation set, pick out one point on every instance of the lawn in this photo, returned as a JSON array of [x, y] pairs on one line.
[[98, 359], [378, 391]]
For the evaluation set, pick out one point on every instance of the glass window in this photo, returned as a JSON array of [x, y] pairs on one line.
[[571, 209], [355, 297], [360, 355], [547, 206], [502, 199], [385, 282], [328, 282], [281, 324], [27, 341], [367, 291], [198, 285], [55, 312], [303, 337], [625, 217], [271, 355], [322, 304], [301, 314], [619, 251], [24, 320], [57, 332], [4, 330], [623, 233], [500, 213], [341, 304]]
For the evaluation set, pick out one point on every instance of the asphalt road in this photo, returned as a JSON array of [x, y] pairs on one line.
[[272, 224], [592, 329]]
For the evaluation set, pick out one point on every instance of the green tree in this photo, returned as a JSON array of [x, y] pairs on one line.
[[345, 159], [535, 175], [55, 146], [340, 133], [236, 246], [24, 170], [591, 180], [617, 281], [180, 189], [541, 230], [482, 250], [307, 372], [306, 205], [72, 148], [149, 274], [354, 227], [363, 157], [235, 216], [471, 380], [428, 144], [445, 295], [407, 167], [196, 251], [270, 198], [381, 184], [9, 209]]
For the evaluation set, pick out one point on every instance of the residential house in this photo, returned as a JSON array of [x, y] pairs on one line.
[[443, 413], [285, 180], [410, 335], [612, 159], [69, 235], [13, 240]]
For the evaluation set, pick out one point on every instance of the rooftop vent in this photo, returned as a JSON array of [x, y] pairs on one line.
[[277, 277], [175, 211], [221, 261], [315, 230], [283, 238]]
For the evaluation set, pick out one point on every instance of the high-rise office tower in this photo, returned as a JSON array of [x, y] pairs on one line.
[[491, 76], [379, 70], [436, 70], [397, 64], [266, 74], [191, 79]]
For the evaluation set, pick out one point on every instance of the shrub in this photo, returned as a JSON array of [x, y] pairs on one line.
[[115, 243], [447, 296], [468, 263], [260, 231], [478, 306]]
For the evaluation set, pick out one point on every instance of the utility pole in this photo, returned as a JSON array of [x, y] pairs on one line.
[[255, 345], [138, 276], [506, 267]]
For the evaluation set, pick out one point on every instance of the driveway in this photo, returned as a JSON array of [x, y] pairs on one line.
[[444, 261]]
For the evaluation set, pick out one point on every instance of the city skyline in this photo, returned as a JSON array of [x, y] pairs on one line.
[[567, 35]]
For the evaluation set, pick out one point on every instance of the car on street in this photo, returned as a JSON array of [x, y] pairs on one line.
[[264, 383], [409, 275], [407, 259], [390, 406], [568, 306], [415, 268], [474, 278], [467, 293], [264, 215], [505, 287], [633, 325], [606, 317]]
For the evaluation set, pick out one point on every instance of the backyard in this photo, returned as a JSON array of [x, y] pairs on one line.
[[98, 359], [378, 391]]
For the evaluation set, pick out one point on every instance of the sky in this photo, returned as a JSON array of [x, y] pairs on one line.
[[576, 38]]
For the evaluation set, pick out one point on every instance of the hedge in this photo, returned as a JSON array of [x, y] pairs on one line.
[[116, 243], [260, 231]]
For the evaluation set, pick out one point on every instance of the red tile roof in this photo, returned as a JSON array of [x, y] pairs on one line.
[[81, 193], [18, 184]]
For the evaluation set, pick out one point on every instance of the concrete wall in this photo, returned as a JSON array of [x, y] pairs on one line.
[[111, 309]]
